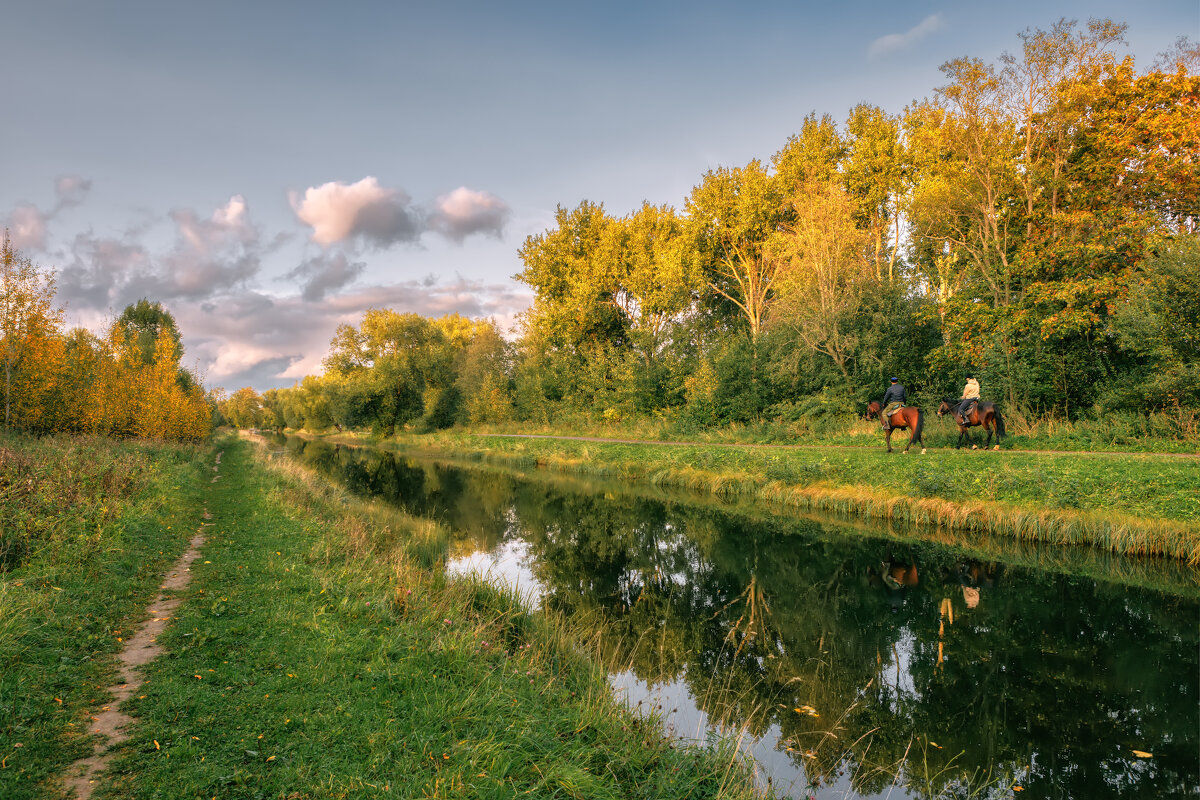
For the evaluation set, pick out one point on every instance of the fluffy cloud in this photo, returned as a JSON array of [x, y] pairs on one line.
[[324, 274], [465, 211], [26, 227], [338, 212], [27, 224], [379, 217], [253, 339], [896, 42], [209, 256]]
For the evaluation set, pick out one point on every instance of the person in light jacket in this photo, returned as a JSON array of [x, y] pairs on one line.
[[970, 398]]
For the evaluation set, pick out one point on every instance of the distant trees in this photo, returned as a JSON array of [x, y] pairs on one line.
[[393, 370]]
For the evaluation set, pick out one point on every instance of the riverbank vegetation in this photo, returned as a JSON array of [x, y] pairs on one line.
[[1032, 224]]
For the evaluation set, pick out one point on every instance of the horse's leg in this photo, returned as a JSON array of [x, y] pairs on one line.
[[961, 433], [889, 439], [987, 426]]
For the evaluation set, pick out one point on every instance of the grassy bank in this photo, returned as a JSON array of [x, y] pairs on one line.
[[87, 527], [1166, 432], [1135, 504], [317, 656]]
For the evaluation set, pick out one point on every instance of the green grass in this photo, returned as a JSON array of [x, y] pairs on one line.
[[1165, 432], [1131, 504], [87, 526], [316, 656]]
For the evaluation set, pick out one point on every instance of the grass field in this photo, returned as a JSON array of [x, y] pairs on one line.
[[1133, 504], [316, 654], [1167, 432], [88, 527]]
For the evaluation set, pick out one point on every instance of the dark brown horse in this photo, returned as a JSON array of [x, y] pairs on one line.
[[985, 413], [909, 417]]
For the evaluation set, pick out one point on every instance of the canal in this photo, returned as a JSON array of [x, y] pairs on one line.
[[850, 661]]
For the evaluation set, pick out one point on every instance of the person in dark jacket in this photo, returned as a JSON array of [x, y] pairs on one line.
[[895, 397]]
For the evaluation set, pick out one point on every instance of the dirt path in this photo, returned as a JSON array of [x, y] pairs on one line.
[[140, 649], [812, 446]]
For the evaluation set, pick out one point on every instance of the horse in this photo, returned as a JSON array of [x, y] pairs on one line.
[[985, 413], [905, 417]]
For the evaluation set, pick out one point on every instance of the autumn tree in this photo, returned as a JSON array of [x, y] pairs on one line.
[[824, 269], [27, 314], [731, 214]]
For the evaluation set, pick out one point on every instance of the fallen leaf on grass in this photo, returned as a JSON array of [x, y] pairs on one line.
[[1143, 754]]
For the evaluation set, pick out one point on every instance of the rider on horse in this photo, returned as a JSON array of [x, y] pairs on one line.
[[893, 398], [970, 398]]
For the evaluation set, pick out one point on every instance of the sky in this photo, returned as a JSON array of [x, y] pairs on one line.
[[269, 171]]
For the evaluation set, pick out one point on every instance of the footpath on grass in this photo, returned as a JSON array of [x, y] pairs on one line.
[[315, 655], [110, 723]]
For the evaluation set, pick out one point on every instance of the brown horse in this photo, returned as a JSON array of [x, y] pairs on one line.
[[909, 417], [984, 413]]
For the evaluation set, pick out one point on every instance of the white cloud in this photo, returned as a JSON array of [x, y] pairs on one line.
[[250, 338], [366, 212], [27, 224], [210, 256], [465, 211], [338, 212], [26, 227], [896, 42]]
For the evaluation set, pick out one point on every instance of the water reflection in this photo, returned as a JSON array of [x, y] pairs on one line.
[[849, 663]]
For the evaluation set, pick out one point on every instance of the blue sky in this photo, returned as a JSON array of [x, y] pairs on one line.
[[269, 170]]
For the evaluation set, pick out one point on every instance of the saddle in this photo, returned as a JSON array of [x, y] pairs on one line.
[[967, 409]]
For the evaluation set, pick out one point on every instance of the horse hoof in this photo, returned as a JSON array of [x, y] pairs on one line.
[[996, 447], [922, 451], [974, 447]]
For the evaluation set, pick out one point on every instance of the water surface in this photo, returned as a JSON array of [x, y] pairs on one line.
[[851, 663]]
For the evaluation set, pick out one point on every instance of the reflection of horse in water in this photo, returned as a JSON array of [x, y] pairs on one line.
[[896, 577], [973, 576]]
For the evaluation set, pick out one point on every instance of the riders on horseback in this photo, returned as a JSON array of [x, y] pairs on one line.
[[893, 398], [970, 399]]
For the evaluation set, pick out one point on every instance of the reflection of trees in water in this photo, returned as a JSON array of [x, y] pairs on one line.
[[876, 643], [852, 646]]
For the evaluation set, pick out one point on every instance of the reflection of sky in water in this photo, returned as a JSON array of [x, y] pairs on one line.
[[672, 703], [506, 565]]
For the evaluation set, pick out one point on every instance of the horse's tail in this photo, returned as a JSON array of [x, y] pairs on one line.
[[920, 426], [999, 422]]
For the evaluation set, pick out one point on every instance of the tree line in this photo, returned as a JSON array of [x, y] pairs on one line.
[[127, 382], [1033, 224]]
